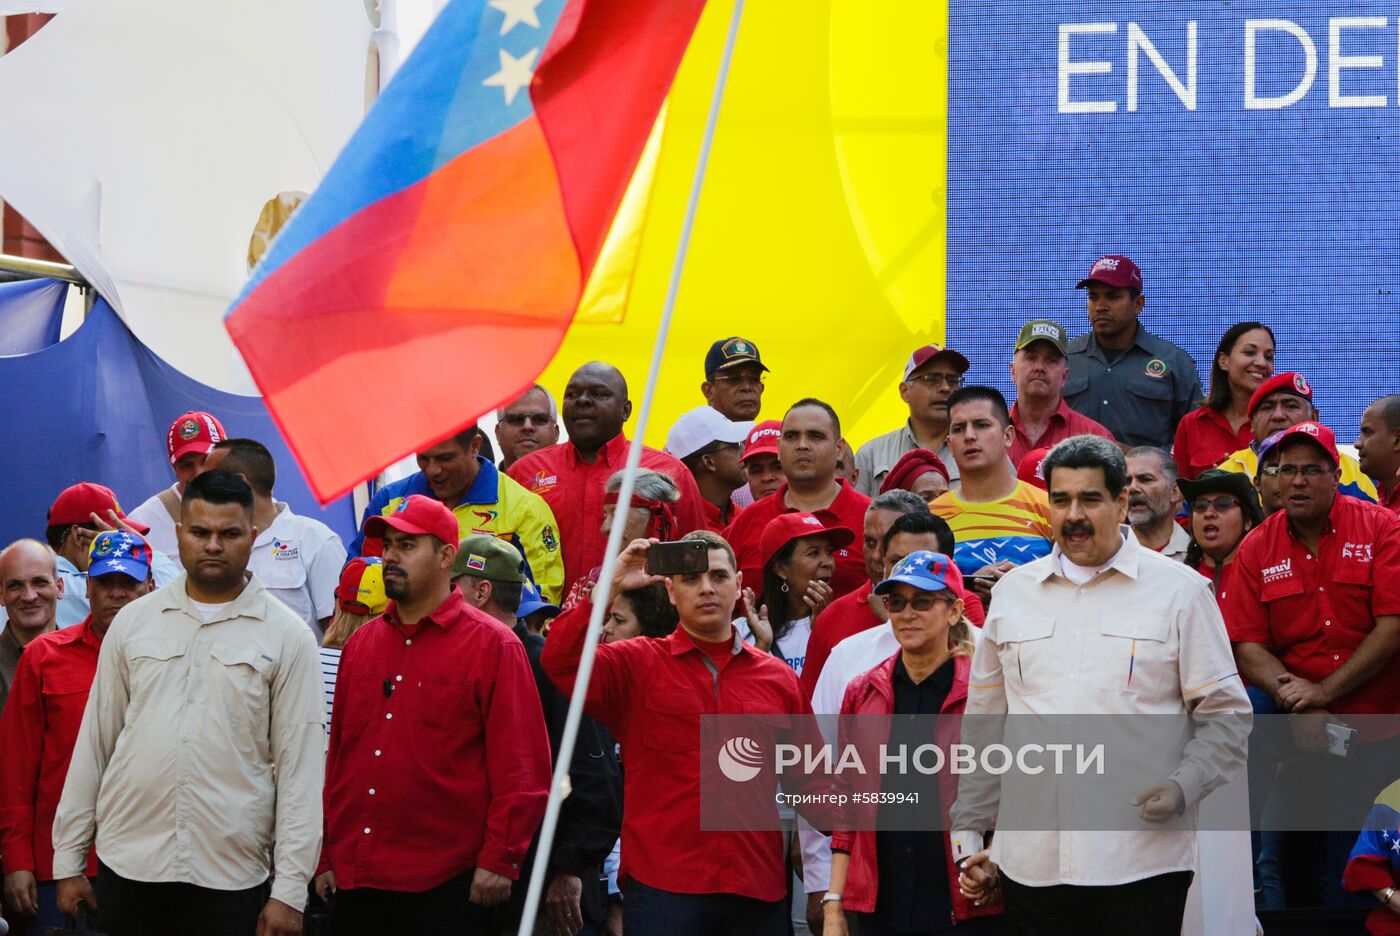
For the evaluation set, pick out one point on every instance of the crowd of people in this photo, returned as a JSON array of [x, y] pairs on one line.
[[217, 717]]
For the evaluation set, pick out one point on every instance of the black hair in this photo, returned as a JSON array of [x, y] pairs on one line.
[[219, 487], [692, 460], [773, 595], [464, 438], [1389, 407], [820, 404], [979, 392], [920, 523], [1218, 398], [653, 609], [252, 460], [1087, 451]]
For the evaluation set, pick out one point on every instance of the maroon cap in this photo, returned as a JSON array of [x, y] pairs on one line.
[[1314, 432], [1115, 270], [78, 503], [1029, 469], [418, 515], [763, 439], [928, 352], [195, 431], [784, 528], [1289, 382]]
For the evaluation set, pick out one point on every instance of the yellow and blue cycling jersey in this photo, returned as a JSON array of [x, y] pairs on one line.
[[1015, 528], [496, 505], [1354, 482]]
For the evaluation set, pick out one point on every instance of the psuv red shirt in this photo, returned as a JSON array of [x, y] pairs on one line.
[[1313, 611], [573, 489], [438, 760], [37, 734], [1064, 422], [1204, 439], [848, 510], [651, 694]]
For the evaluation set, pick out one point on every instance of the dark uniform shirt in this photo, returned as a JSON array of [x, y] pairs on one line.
[[1140, 393]]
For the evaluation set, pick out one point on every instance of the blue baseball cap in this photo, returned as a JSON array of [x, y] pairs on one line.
[[119, 551], [927, 571], [530, 602]]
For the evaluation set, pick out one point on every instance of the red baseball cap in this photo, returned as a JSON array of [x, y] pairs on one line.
[[78, 503], [1115, 270], [928, 352], [763, 439], [1029, 469], [1314, 432], [1289, 382], [784, 528], [418, 515], [195, 431]]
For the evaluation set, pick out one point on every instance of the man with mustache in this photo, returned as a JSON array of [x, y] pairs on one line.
[[1135, 383], [1154, 502], [30, 589], [216, 688]]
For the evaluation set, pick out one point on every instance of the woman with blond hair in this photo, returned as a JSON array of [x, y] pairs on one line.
[[358, 599]]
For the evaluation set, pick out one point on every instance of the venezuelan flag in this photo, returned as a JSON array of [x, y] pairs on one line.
[[433, 273], [1375, 861]]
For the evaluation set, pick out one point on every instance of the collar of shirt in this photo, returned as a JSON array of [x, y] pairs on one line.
[[614, 451], [278, 527], [444, 615], [1334, 516], [682, 643], [64, 567], [940, 679], [78, 633], [1125, 560], [1062, 413], [1144, 341], [844, 494], [251, 602]]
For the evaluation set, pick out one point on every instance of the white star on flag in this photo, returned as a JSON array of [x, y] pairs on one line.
[[515, 73], [517, 12]]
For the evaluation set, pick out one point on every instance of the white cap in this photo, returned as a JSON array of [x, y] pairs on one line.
[[701, 426]]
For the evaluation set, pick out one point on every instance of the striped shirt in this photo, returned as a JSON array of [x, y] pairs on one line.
[[330, 665], [1015, 528]]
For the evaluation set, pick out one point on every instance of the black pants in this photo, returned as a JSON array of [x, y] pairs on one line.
[[647, 911], [1153, 906], [443, 910], [138, 908]]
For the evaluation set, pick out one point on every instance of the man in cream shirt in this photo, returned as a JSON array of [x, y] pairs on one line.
[[202, 687], [1101, 626]]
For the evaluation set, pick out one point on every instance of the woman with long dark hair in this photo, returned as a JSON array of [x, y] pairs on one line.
[[1224, 507], [1243, 360]]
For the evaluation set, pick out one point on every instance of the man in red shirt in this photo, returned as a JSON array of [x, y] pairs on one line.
[[853, 612], [438, 769], [677, 879], [1378, 449], [761, 463], [570, 476], [807, 449], [1039, 368], [710, 446], [41, 721]]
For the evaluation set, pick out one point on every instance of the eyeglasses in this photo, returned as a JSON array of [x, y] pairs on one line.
[[1221, 504], [894, 604], [539, 420], [739, 379], [947, 380], [1289, 472]]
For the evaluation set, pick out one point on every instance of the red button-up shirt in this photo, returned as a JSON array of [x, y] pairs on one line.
[[651, 694], [1312, 612], [37, 734], [439, 759], [574, 491], [1204, 439], [1064, 422], [1391, 503], [848, 510]]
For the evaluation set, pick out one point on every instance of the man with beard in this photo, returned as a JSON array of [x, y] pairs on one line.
[[438, 768], [201, 747], [41, 721], [572, 475], [483, 500], [30, 590], [1154, 502], [931, 374], [530, 422]]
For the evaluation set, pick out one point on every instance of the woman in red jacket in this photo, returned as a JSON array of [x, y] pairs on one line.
[[1205, 436], [905, 882]]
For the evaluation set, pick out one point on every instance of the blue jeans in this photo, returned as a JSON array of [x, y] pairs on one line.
[[1266, 749], [647, 911]]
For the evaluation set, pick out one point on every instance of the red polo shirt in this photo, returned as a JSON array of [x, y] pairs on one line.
[[1391, 503], [439, 759], [1312, 612], [1204, 439], [574, 491], [1064, 422], [651, 694], [848, 510], [37, 734]]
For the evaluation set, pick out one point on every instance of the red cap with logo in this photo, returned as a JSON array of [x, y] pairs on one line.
[[1114, 270], [418, 515], [763, 439], [1029, 469], [784, 528], [928, 352], [1314, 432], [1289, 382], [195, 431], [78, 503]]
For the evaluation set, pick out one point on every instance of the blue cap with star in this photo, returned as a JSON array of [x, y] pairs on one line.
[[927, 571], [114, 551]]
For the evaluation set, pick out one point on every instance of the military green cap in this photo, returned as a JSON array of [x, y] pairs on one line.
[[490, 558], [1043, 330]]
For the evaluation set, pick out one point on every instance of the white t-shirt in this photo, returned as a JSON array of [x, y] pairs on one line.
[[210, 611], [298, 560], [153, 514], [792, 646]]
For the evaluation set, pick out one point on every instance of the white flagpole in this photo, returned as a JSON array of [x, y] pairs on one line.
[[624, 498]]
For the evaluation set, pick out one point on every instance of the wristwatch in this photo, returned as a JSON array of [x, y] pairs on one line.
[[832, 896]]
